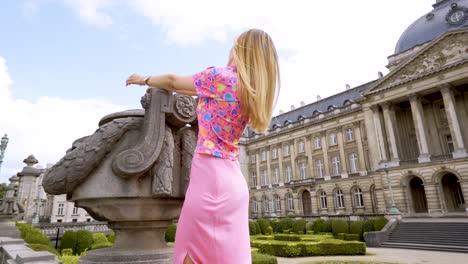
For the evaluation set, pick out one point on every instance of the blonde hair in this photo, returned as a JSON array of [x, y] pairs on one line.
[[256, 60]]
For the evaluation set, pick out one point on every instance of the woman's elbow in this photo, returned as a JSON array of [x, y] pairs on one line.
[[172, 82]]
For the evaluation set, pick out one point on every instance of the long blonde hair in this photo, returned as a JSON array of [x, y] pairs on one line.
[[256, 60]]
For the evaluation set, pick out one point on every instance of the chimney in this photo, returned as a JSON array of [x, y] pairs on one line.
[[380, 74], [319, 98], [302, 103], [292, 107], [348, 87], [281, 112]]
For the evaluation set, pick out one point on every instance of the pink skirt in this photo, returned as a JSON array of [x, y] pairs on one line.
[[213, 225]]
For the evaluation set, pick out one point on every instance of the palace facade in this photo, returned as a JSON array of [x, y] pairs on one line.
[[406, 132]]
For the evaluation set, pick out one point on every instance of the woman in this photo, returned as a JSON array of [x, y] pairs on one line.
[[213, 225]]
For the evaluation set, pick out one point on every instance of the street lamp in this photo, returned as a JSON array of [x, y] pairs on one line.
[[3, 146], [393, 210]]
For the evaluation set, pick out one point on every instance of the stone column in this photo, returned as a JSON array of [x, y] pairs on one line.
[[325, 154], [348, 203], [464, 187], [268, 156], [390, 123], [292, 152], [454, 125], [362, 161], [344, 169], [434, 207], [315, 206], [280, 163], [420, 127], [257, 163], [379, 133], [308, 151], [297, 208]]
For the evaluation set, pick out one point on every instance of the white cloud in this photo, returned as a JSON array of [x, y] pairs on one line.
[[90, 11], [46, 127]]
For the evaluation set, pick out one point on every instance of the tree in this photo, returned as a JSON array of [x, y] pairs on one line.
[[3, 187]]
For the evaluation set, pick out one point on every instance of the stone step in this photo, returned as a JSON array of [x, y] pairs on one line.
[[412, 241], [433, 247]]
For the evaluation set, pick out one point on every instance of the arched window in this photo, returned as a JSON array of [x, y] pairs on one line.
[[348, 102], [358, 200], [290, 199], [254, 205], [339, 199], [316, 113], [331, 108], [277, 203], [323, 200], [266, 204], [301, 117]]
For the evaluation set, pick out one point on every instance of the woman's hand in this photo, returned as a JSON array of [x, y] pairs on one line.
[[135, 79]]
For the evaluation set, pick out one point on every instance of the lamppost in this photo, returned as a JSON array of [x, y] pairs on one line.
[[393, 210], [3, 146]]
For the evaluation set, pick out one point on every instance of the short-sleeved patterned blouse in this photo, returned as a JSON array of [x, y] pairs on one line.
[[220, 119]]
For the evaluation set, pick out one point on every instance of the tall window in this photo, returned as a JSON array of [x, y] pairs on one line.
[[317, 143], [253, 158], [277, 175], [320, 171], [274, 153], [263, 155], [303, 170], [450, 145], [60, 209], [290, 199], [336, 166], [358, 200], [333, 139], [277, 203], [353, 162], [349, 134], [255, 205], [323, 200], [287, 173], [266, 204], [75, 210], [301, 146], [265, 177], [254, 179], [339, 199], [286, 150]]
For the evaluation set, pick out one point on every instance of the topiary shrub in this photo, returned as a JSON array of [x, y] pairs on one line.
[[269, 231], [101, 245], [285, 223], [84, 241], [339, 226], [287, 237], [318, 225], [99, 238], [257, 228], [32, 235], [252, 228], [310, 226], [274, 225], [40, 247], [327, 226], [368, 226], [111, 237], [258, 258], [264, 224], [380, 223], [299, 226], [356, 228], [340, 236], [352, 237], [68, 240], [170, 234]]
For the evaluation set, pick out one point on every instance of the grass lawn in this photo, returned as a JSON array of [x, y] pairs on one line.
[[346, 262]]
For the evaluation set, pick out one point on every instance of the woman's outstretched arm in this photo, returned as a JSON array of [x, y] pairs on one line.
[[170, 82]]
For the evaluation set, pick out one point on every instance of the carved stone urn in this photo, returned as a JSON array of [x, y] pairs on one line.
[[133, 172]]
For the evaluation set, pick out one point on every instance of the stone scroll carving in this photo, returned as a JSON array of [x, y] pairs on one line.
[[188, 142], [162, 171]]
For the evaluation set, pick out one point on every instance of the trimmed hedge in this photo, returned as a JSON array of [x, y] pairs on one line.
[[339, 226], [70, 259], [257, 228], [380, 223], [111, 237], [299, 226], [287, 237], [68, 240], [356, 227], [303, 248], [368, 226], [40, 247], [274, 225], [310, 226], [258, 258], [101, 245], [67, 252], [170, 234], [269, 231], [327, 226], [352, 237], [84, 241], [285, 223], [264, 224], [99, 238], [32, 235], [318, 225], [252, 229], [340, 236]]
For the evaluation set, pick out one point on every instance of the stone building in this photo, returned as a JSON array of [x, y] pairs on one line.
[[407, 130]]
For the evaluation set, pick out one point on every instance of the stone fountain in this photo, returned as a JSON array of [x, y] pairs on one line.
[[133, 172]]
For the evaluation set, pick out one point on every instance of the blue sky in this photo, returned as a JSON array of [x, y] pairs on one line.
[[63, 63]]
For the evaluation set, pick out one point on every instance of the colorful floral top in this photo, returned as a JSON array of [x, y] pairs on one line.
[[220, 120]]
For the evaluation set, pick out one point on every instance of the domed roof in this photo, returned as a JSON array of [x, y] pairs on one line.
[[447, 15]]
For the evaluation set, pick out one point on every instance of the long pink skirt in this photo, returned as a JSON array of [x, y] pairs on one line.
[[213, 226]]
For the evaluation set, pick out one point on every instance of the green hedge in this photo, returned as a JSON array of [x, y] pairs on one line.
[[258, 258], [111, 237], [70, 259], [285, 223], [68, 240], [99, 238], [318, 225], [252, 228], [101, 245], [299, 226], [380, 223], [40, 247], [339, 226], [84, 241], [352, 237], [170, 234], [274, 225], [257, 228], [32, 235], [67, 252], [264, 224], [327, 226], [368, 226], [287, 237], [305, 248], [340, 236], [356, 227], [310, 226]]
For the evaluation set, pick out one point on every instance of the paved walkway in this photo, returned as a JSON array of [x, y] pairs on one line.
[[403, 256]]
